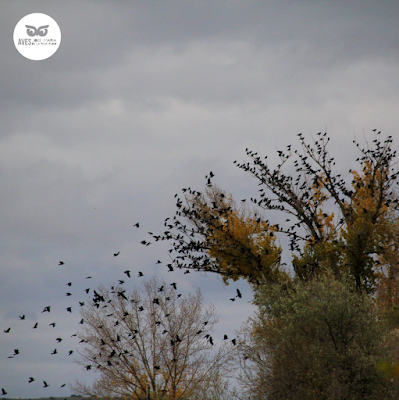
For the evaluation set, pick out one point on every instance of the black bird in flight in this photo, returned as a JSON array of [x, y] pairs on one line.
[[70, 352], [45, 384], [170, 268], [35, 326], [225, 337], [61, 263], [137, 225], [46, 309], [174, 285], [7, 330], [87, 290], [52, 324], [239, 294], [233, 341], [116, 254], [69, 283], [54, 352], [31, 379], [3, 392], [140, 274], [233, 299], [68, 294], [22, 317], [127, 272]]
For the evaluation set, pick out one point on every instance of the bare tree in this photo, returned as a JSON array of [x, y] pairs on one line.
[[152, 343]]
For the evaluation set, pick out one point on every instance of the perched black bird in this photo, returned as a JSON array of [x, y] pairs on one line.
[[61, 263], [116, 254], [127, 272], [187, 271], [7, 330], [233, 341]]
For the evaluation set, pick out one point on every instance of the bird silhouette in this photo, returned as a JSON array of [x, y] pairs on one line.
[[46, 309], [137, 225], [7, 330], [239, 294], [31, 379], [116, 254], [127, 272], [22, 317], [45, 384], [140, 274], [35, 326], [61, 263], [3, 392]]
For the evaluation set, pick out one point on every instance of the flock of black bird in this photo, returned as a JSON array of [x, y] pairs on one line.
[[96, 300]]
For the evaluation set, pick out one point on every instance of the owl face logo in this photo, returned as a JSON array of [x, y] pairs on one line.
[[40, 31]]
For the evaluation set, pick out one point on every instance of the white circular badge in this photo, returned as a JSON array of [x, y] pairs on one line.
[[37, 36]]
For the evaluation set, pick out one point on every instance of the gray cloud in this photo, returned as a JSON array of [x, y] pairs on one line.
[[141, 100]]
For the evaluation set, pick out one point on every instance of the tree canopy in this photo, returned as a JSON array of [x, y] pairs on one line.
[[338, 224]]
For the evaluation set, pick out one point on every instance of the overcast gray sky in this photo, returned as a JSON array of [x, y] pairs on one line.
[[142, 99]]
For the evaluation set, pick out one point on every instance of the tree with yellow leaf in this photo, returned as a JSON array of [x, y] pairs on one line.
[[335, 224]]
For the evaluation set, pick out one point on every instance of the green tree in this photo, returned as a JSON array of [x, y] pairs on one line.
[[318, 341]]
